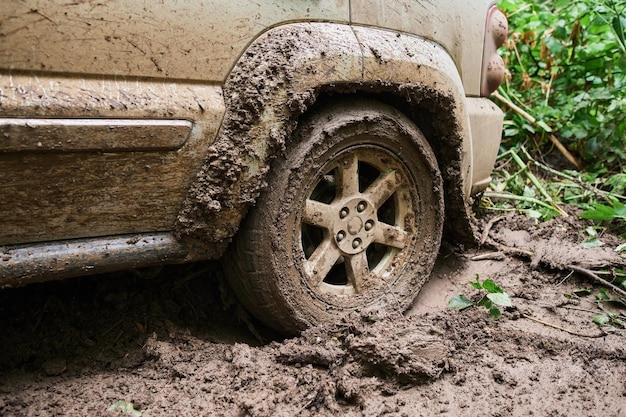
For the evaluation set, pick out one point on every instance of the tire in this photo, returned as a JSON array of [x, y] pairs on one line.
[[351, 220]]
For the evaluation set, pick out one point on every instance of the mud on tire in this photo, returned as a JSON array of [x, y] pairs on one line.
[[351, 219]]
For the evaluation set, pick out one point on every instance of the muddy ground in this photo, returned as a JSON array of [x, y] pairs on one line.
[[173, 343]]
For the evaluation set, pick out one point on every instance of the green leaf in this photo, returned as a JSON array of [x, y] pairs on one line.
[[602, 319], [492, 287], [618, 27], [620, 210], [544, 126], [621, 248], [562, 3], [485, 302], [560, 32], [582, 292], [494, 312], [501, 299], [534, 214], [126, 408], [603, 295], [599, 212], [592, 242], [459, 302], [477, 285]]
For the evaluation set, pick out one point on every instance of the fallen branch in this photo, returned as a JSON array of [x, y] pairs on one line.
[[489, 256], [527, 253], [595, 277], [509, 250], [571, 158], [488, 227], [554, 326]]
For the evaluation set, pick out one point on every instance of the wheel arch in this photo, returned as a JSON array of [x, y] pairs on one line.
[[290, 70]]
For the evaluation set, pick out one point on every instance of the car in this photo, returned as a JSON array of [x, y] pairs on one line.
[[320, 149]]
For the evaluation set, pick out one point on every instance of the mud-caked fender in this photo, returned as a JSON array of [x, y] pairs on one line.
[[284, 72]]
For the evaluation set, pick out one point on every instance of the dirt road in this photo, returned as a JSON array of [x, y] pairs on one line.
[[174, 342]]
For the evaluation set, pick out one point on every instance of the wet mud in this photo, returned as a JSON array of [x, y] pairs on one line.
[[270, 88], [172, 341]]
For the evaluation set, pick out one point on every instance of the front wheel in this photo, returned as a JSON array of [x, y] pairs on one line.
[[351, 220]]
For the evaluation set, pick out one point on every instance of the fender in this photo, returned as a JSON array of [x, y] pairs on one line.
[[284, 72]]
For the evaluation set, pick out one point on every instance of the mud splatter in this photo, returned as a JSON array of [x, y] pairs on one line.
[[263, 106]]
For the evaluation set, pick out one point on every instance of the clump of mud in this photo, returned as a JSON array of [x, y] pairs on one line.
[[392, 349], [557, 244], [169, 346], [324, 369]]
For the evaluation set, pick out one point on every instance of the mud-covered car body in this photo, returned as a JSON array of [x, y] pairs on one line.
[[140, 134]]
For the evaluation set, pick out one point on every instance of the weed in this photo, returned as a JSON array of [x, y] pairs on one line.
[[564, 90], [125, 407], [493, 298], [609, 321], [602, 212], [522, 183], [593, 241], [615, 212], [567, 60]]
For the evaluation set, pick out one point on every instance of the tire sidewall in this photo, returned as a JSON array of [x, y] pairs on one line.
[[291, 179]]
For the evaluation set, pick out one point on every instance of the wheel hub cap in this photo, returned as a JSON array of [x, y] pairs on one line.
[[354, 225]]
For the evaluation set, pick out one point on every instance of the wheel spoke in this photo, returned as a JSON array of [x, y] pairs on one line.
[[357, 270], [348, 177], [383, 187], [317, 214], [321, 261], [391, 236]]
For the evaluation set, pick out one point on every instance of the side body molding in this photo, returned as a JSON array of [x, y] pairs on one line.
[[284, 72]]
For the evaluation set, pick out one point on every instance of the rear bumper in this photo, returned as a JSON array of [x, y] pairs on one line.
[[486, 126]]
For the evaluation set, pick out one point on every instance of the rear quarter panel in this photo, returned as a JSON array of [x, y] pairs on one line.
[[458, 26]]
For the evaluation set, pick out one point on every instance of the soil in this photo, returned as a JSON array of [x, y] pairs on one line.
[[172, 341]]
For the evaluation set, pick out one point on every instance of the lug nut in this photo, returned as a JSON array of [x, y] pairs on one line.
[[369, 225], [356, 243], [361, 207], [344, 213], [340, 236]]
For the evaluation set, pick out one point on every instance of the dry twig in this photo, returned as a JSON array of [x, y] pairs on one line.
[[554, 326], [488, 227], [595, 277], [567, 154]]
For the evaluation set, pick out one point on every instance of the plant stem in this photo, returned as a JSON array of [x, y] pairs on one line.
[[530, 200], [595, 277], [562, 328], [576, 181], [536, 183], [533, 120]]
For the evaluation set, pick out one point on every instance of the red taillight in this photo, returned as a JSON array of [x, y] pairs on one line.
[[493, 65]]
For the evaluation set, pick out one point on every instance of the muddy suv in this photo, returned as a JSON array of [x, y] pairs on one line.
[[320, 148]]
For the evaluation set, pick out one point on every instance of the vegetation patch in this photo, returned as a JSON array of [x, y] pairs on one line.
[[491, 296]]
